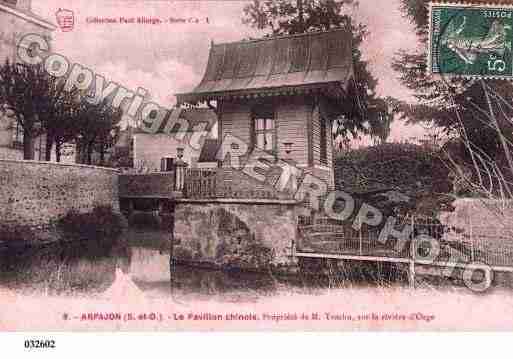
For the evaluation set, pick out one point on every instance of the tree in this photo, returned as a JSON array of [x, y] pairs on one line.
[[56, 115], [107, 139], [25, 90], [284, 17], [42, 106], [455, 105], [381, 119], [96, 125]]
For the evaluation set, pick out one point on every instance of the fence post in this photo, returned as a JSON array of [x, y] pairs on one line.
[[472, 255], [180, 168], [411, 269], [360, 235], [214, 185]]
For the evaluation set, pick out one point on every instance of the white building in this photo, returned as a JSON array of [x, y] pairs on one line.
[[150, 150], [17, 20]]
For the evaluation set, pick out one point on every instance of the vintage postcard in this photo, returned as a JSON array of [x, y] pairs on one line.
[[288, 165]]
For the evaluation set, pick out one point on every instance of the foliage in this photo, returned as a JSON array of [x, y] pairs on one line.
[[101, 223], [417, 12], [96, 129], [41, 105], [380, 120], [389, 174], [292, 17], [122, 158], [393, 165], [25, 90], [56, 115], [456, 105], [478, 114]]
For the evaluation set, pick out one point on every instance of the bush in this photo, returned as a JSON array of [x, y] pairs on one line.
[[102, 222], [405, 167], [417, 172]]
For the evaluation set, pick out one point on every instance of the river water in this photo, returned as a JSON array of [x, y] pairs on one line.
[[53, 288], [139, 260]]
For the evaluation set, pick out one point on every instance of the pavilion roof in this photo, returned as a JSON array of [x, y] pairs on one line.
[[273, 66]]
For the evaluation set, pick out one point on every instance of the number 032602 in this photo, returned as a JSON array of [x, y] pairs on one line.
[[39, 344]]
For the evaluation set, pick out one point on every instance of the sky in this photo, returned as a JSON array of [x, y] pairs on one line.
[[170, 58]]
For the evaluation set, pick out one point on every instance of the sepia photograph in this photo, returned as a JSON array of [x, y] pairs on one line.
[[264, 166]]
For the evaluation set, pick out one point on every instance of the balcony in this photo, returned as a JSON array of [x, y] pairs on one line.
[[197, 184], [227, 183]]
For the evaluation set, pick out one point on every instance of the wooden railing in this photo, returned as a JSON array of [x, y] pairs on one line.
[[227, 183], [197, 183]]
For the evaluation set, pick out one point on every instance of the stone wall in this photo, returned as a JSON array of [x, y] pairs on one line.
[[233, 233], [35, 193], [8, 153]]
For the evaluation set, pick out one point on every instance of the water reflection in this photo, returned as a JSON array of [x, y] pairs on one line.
[[72, 268], [136, 264]]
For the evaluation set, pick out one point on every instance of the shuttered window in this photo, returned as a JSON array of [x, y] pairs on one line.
[[324, 143], [264, 130]]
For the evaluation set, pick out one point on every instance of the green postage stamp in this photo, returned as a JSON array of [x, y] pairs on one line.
[[470, 40]]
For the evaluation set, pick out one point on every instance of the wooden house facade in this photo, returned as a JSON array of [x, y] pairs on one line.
[[280, 94]]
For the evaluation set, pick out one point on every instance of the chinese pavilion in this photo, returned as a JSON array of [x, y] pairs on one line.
[[281, 94]]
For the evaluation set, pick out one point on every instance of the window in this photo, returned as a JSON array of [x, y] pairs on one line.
[[324, 143], [264, 133], [17, 135]]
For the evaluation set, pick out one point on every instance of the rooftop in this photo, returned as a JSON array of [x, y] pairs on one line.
[[293, 64]]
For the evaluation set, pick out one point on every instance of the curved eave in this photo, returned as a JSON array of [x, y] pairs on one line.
[[290, 65], [335, 90]]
